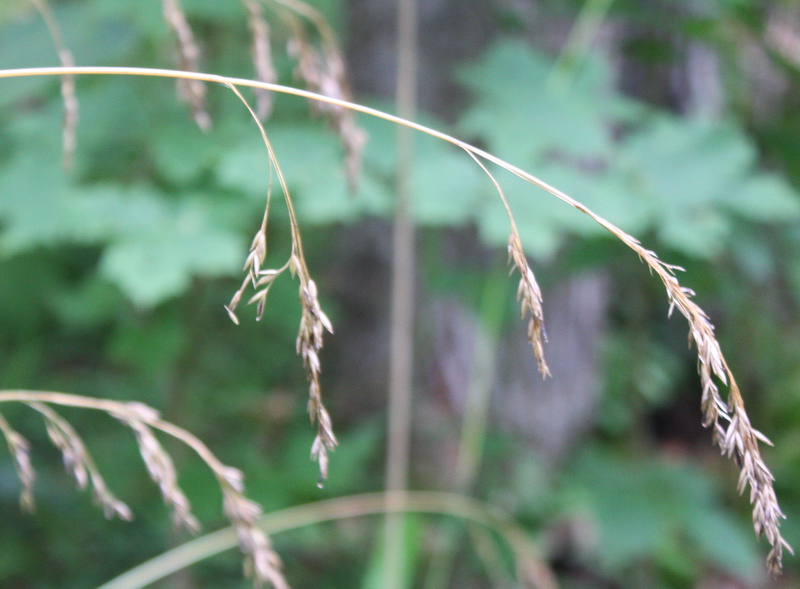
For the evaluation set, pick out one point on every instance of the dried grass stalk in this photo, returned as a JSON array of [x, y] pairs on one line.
[[69, 127], [731, 428], [530, 296], [528, 292], [162, 471], [728, 420], [261, 562], [313, 324], [19, 448], [313, 321], [323, 71], [262, 56], [193, 92], [79, 463]]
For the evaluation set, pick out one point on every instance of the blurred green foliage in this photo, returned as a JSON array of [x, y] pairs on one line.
[[113, 277]]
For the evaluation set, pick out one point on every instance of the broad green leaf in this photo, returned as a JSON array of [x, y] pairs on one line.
[[727, 543], [215, 11], [160, 261], [699, 233], [32, 204], [689, 164], [640, 508], [688, 169], [524, 120], [313, 161], [764, 197], [103, 213], [183, 152]]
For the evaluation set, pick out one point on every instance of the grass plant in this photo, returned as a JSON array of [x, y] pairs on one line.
[[323, 73]]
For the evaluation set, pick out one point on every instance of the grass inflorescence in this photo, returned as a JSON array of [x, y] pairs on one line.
[[320, 67]]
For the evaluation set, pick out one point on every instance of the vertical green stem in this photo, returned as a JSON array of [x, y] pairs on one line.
[[401, 365], [577, 45]]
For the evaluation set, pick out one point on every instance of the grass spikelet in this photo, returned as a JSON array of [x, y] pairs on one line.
[[79, 463], [313, 324], [161, 469], [193, 92], [528, 292], [262, 56], [313, 321], [530, 296], [69, 126], [727, 418], [261, 562], [19, 448], [324, 72], [730, 426]]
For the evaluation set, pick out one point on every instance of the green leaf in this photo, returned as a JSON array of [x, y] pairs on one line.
[[688, 163], [641, 507], [688, 169], [158, 263], [32, 203], [523, 119], [182, 151], [698, 233], [764, 197]]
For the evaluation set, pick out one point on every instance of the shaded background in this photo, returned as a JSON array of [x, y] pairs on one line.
[[677, 120]]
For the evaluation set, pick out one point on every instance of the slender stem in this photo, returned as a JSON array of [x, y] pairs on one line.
[[578, 43], [401, 349], [448, 504], [226, 80]]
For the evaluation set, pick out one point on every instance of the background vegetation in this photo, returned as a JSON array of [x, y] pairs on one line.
[[677, 120]]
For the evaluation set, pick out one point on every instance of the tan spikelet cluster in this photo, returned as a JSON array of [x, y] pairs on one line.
[[728, 420], [528, 292], [313, 321], [730, 426], [260, 279], [70, 120], [20, 451], [313, 324], [79, 463], [193, 92], [530, 296], [322, 70], [262, 56], [161, 469], [261, 562]]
